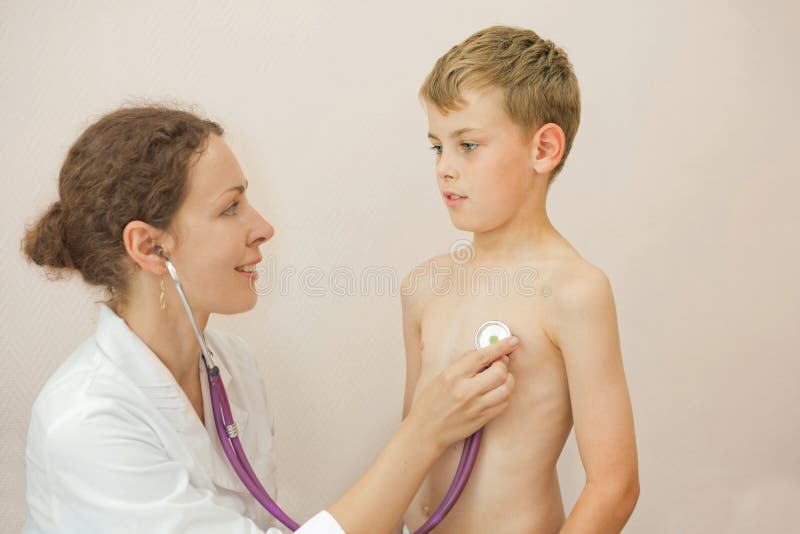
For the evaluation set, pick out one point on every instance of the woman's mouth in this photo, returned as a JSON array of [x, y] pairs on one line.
[[249, 270]]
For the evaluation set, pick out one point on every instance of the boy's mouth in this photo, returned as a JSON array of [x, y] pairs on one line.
[[453, 194], [453, 199]]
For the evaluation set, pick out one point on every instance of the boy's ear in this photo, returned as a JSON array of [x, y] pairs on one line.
[[548, 147]]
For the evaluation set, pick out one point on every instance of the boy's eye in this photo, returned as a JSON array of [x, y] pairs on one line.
[[469, 147], [437, 149], [231, 207]]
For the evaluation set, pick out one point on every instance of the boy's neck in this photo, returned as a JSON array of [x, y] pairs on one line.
[[528, 233]]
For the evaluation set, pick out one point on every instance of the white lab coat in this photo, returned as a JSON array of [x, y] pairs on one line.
[[114, 445]]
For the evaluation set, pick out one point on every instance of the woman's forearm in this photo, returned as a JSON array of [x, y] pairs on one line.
[[377, 501]]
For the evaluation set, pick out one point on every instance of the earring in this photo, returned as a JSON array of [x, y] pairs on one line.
[[163, 298]]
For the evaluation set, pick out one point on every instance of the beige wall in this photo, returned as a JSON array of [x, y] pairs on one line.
[[682, 185]]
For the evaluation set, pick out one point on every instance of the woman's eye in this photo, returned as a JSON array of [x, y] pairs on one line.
[[469, 147], [231, 207], [437, 149]]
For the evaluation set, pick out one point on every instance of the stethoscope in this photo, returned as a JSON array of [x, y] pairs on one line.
[[488, 333]]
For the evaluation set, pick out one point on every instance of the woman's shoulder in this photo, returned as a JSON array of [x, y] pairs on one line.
[[86, 383], [72, 378]]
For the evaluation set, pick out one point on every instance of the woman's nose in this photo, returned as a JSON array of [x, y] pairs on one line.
[[263, 230]]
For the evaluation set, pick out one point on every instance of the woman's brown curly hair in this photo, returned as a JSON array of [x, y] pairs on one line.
[[132, 164]]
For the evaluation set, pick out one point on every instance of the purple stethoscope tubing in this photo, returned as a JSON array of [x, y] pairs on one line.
[[229, 438], [468, 455], [229, 435]]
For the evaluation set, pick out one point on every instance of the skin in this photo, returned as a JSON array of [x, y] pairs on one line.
[[215, 230], [568, 366]]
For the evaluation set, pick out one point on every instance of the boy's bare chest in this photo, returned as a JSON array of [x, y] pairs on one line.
[[522, 444], [449, 324]]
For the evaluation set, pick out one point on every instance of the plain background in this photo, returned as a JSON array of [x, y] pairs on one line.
[[682, 186]]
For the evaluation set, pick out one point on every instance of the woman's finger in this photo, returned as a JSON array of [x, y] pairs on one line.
[[490, 413], [475, 361], [497, 396], [494, 376]]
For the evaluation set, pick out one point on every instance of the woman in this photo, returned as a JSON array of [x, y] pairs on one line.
[[122, 436]]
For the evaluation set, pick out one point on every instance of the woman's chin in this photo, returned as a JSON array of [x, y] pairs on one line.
[[240, 305], [250, 303]]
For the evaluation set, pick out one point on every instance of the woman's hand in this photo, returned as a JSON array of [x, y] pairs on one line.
[[458, 402], [465, 396]]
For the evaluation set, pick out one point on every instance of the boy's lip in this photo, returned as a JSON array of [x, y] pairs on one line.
[[453, 202]]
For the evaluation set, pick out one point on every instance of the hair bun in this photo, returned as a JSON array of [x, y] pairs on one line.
[[45, 244]]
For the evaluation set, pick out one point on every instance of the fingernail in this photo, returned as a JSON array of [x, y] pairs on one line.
[[513, 340]]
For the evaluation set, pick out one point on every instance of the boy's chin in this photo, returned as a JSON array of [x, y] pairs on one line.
[[466, 224], [464, 227]]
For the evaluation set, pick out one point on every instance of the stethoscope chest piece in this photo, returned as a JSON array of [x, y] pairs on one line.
[[491, 332]]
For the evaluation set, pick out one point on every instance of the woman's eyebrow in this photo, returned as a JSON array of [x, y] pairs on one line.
[[236, 188]]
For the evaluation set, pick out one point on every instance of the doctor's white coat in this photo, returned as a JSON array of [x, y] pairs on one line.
[[114, 445]]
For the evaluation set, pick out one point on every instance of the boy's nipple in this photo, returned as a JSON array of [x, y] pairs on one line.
[[426, 510]]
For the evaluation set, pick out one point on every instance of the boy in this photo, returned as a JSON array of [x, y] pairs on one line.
[[503, 108]]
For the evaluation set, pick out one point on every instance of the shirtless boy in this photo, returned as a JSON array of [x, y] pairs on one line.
[[503, 109]]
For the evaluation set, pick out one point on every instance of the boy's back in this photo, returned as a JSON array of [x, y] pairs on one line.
[[503, 108]]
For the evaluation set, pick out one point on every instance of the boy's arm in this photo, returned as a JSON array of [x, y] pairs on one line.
[[411, 341], [412, 338], [587, 334]]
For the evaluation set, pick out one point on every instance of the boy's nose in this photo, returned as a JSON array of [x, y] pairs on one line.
[[444, 170]]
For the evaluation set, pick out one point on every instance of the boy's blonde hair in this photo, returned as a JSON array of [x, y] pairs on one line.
[[534, 75]]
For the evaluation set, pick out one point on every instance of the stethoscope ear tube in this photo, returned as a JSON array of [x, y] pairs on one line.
[[208, 358], [223, 417]]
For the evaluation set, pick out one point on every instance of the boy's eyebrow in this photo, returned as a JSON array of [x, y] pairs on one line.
[[237, 188], [455, 133]]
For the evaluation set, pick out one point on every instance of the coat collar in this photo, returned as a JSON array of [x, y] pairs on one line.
[[141, 365], [128, 352]]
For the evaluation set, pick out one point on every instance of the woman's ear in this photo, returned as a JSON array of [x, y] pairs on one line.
[[548, 147], [140, 240]]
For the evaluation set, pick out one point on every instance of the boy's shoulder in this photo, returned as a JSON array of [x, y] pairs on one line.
[[580, 289], [431, 265], [570, 277], [565, 267], [421, 281], [578, 278]]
